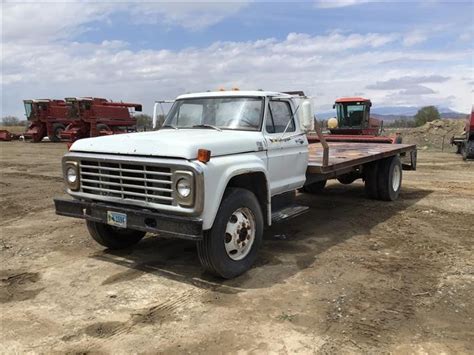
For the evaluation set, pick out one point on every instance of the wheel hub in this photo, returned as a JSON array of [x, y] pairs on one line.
[[396, 177], [240, 233]]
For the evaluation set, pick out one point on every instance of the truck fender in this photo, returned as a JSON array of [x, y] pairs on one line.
[[215, 190]]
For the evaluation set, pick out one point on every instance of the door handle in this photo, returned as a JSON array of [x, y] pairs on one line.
[[299, 140]]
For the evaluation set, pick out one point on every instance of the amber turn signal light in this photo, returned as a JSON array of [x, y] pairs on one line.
[[204, 155]]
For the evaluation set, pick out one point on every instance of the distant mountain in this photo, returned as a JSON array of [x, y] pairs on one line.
[[392, 113]]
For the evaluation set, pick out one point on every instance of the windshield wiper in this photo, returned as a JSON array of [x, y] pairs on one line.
[[169, 126], [207, 126]]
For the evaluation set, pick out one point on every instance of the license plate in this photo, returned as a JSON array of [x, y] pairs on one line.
[[117, 219]]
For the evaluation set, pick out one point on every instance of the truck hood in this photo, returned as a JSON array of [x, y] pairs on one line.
[[182, 143]]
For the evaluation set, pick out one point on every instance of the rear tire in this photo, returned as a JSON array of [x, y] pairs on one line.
[[238, 227], [102, 127], [370, 176], [58, 128], [112, 237], [315, 187], [389, 178]]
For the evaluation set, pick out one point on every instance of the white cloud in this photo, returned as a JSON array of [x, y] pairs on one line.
[[46, 21], [333, 42], [113, 70], [406, 81], [194, 15], [329, 4], [41, 60], [415, 37]]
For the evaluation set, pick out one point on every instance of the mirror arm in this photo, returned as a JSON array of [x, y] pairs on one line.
[[288, 124]]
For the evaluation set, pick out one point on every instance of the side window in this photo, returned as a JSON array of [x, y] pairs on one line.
[[279, 116]]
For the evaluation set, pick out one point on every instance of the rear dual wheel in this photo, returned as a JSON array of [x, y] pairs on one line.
[[383, 179]]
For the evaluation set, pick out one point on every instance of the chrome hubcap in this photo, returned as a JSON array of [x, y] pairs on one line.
[[239, 234], [396, 176]]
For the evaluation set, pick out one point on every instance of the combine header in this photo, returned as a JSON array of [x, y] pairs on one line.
[[45, 118], [92, 117], [354, 124]]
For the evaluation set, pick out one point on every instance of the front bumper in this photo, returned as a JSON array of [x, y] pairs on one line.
[[139, 219]]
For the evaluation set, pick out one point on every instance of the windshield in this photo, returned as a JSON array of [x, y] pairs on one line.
[[238, 113], [73, 111], [350, 115], [28, 109]]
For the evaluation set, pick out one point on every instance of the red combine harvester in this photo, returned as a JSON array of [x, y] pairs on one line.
[[92, 117], [354, 124], [465, 141], [46, 118]]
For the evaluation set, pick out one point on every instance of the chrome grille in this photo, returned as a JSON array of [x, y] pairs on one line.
[[126, 180]]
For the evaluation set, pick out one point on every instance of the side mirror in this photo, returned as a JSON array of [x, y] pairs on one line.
[[307, 116]]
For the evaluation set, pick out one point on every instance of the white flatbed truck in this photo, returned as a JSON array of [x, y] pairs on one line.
[[224, 166]]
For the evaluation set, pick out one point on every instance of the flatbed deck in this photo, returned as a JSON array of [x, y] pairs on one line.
[[344, 155]]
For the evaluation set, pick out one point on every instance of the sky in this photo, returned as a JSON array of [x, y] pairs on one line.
[[397, 53]]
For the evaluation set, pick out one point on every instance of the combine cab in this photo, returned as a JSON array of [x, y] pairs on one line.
[[465, 141], [45, 118], [92, 117], [354, 124]]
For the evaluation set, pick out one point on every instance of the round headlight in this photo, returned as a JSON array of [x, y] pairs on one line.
[[71, 175], [184, 187]]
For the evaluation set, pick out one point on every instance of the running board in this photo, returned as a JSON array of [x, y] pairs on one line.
[[288, 212]]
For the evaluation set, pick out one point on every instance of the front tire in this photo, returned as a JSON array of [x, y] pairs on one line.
[[113, 237], [102, 127], [231, 246], [58, 128]]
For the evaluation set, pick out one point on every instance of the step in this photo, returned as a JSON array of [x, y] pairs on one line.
[[288, 212]]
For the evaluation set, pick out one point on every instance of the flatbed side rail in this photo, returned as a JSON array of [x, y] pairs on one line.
[[325, 145]]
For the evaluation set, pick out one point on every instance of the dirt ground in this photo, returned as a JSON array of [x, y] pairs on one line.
[[350, 276]]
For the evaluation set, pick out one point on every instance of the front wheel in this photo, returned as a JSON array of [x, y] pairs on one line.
[[230, 247], [113, 237], [58, 128]]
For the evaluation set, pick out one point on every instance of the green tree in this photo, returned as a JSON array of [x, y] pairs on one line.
[[426, 114], [144, 122]]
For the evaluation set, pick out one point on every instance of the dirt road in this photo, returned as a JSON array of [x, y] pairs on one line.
[[352, 275]]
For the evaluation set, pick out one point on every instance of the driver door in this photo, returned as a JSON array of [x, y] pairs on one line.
[[287, 154]]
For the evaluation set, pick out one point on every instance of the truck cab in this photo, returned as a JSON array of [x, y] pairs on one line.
[[209, 174]]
